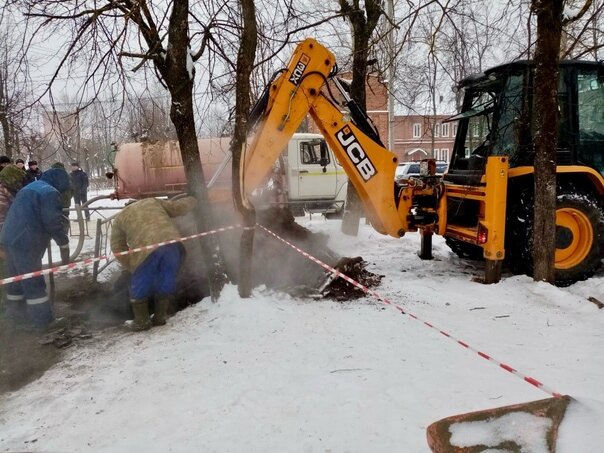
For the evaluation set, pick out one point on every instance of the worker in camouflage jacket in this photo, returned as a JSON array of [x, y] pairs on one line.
[[11, 180], [154, 272], [35, 217]]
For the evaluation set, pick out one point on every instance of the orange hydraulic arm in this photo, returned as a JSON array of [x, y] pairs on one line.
[[369, 166]]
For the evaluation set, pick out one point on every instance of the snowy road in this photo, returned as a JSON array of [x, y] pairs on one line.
[[274, 373]]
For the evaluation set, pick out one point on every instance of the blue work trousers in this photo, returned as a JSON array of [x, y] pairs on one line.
[[156, 276], [29, 294]]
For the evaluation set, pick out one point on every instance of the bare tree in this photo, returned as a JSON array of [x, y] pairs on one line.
[[363, 24], [15, 84], [584, 36], [104, 30], [547, 55], [149, 118], [245, 64], [550, 21]]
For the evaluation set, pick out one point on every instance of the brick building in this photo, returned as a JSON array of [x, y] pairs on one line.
[[412, 133], [413, 137]]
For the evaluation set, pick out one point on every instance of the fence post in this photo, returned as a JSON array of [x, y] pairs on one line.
[[97, 249], [51, 278]]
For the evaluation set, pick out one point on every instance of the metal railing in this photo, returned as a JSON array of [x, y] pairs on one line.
[[79, 228], [102, 245]]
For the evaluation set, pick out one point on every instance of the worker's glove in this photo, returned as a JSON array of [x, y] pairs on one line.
[[64, 255]]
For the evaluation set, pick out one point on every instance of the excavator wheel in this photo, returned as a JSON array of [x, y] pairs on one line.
[[465, 250], [579, 236]]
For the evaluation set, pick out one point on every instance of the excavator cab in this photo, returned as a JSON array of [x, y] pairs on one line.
[[497, 120]]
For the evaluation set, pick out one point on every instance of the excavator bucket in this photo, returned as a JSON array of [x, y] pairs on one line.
[[529, 426]]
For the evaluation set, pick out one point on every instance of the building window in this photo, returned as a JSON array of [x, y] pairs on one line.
[[436, 153], [444, 154], [437, 129], [476, 130], [445, 130], [417, 130], [454, 130]]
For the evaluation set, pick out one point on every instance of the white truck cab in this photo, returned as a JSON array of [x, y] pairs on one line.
[[314, 178]]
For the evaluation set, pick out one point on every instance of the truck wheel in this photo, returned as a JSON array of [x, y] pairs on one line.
[[579, 236], [465, 250]]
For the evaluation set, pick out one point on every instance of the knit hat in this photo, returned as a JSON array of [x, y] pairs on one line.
[[11, 177], [32, 162], [19, 161], [4, 160]]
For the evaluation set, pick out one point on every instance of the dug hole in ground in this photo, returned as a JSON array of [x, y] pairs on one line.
[[290, 373]]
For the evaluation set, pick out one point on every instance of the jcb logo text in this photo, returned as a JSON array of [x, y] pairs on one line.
[[356, 154], [299, 69]]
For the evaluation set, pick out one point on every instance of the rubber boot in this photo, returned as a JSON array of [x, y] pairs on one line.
[[43, 319], [141, 321], [57, 324], [16, 312], [40, 313], [162, 304]]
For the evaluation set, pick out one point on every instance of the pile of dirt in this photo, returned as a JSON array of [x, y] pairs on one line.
[[355, 268], [285, 269]]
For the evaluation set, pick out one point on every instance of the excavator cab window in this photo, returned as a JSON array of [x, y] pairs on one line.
[[590, 106], [493, 121], [510, 137], [475, 130], [479, 126]]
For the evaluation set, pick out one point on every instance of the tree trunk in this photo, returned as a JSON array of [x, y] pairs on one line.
[[180, 84], [245, 64], [547, 54], [362, 29], [6, 129]]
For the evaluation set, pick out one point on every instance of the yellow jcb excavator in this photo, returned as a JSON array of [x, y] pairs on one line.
[[483, 205]]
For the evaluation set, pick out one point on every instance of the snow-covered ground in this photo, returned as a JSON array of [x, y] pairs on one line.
[[273, 373]]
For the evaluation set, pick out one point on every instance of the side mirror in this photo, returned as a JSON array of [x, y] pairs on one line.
[[109, 175], [323, 163]]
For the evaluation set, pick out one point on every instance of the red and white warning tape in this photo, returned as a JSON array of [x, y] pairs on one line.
[[334, 271], [534, 382], [86, 262]]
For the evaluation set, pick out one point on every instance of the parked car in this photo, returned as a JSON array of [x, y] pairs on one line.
[[406, 170]]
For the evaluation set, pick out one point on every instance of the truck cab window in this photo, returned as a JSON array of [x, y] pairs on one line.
[[314, 153]]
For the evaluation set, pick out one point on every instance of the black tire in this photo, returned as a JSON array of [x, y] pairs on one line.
[[571, 202], [518, 234], [465, 250]]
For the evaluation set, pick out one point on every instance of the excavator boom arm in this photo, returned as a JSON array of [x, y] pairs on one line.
[[369, 166]]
